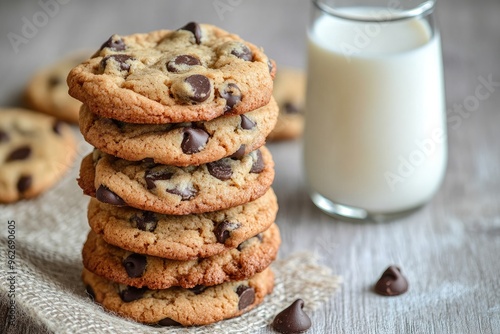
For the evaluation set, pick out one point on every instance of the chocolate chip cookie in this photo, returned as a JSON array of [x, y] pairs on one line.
[[198, 72], [35, 151], [182, 237], [177, 306], [289, 92], [180, 144], [175, 190]]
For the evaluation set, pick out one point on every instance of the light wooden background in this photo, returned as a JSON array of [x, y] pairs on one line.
[[449, 250]]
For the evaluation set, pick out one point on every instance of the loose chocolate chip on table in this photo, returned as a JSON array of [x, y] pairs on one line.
[[247, 296], [200, 86], [114, 43], [195, 29], [154, 175], [185, 194], [198, 289], [24, 183], [179, 62], [146, 221], [243, 52], [90, 292], [105, 195], [232, 94], [258, 165], [391, 283], [4, 137], [120, 59], [132, 293], [292, 319], [54, 81], [246, 123], [57, 127], [240, 153], [194, 140], [291, 108], [19, 153], [135, 264], [223, 230], [168, 322], [220, 169]]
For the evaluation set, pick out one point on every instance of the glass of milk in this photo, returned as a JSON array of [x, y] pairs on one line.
[[375, 145]]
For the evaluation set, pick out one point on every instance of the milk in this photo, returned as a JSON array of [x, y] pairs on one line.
[[375, 135]]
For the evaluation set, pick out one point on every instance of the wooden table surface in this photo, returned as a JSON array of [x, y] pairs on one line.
[[449, 250]]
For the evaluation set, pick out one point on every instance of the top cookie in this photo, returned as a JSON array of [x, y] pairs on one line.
[[198, 72]]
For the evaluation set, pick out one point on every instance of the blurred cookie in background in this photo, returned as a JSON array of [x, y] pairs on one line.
[[289, 92], [47, 91]]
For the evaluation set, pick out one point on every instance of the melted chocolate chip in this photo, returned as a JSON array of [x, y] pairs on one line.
[[151, 176], [132, 293], [57, 127], [90, 292], [194, 140], [135, 264], [168, 322], [146, 221], [120, 59], [247, 296], [246, 123], [195, 29], [4, 137], [181, 62], [54, 81], [232, 94], [240, 153], [391, 283], [243, 52], [223, 230], [114, 43], [185, 194], [24, 183], [292, 319], [200, 87], [220, 169], [198, 289], [105, 195], [291, 108], [244, 243], [258, 165], [20, 153]]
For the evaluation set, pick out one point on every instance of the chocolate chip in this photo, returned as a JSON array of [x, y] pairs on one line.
[[54, 81], [391, 283], [185, 194], [242, 52], [120, 59], [291, 108], [168, 322], [232, 94], [240, 153], [220, 169], [24, 183], [194, 140], [246, 123], [57, 127], [105, 195], [20, 153], [114, 43], [195, 29], [154, 175], [244, 243], [135, 264], [4, 137], [247, 296], [90, 292], [200, 87], [292, 319], [182, 62], [223, 230], [270, 65], [198, 289], [118, 123], [132, 293], [258, 165], [146, 221]]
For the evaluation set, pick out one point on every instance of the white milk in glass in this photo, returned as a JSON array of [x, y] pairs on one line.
[[375, 134]]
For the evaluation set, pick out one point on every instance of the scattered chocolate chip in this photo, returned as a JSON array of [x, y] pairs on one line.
[[146, 221], [4, 137], [57, 127], [246, 123], [242, 52], [223, 230], [180, 63], [54, 80], [270, 65], [135, 264], [168, 322], [200, 86], [291, 108], [195, 29], [105, 195], [198, 289], [240, 153], [24, 183], [258, 165], [247, 296], [20, 153], [185, 194], [391, 283], [292, 319], [132, 293], [220, 169], [114, 43], [232, 94], [120, 59], [194, 140], [154, 175]]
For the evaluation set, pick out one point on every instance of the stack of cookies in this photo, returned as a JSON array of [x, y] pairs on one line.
[[182, 210]]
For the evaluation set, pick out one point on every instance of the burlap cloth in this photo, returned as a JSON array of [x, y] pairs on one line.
[[49, 234]]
